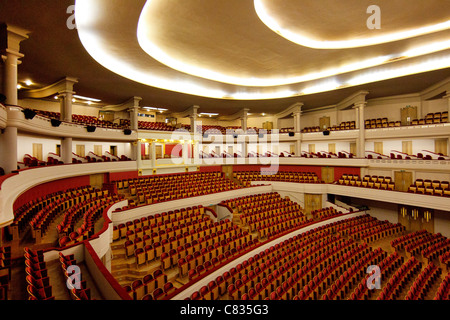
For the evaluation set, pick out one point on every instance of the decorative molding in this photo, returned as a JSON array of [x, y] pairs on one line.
[[60, 87], [131, 103]]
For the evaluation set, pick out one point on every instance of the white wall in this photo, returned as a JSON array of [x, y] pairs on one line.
[[442, 222], [389, 108], [122, 148], [25, 146], [380, 210], [432, 106], [418, 145]]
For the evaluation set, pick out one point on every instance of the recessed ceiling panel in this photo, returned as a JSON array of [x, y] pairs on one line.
[[331, 24]]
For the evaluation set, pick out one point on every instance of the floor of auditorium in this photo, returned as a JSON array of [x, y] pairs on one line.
[[125, 270]]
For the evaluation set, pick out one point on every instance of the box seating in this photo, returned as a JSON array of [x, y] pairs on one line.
[[430, 187], [374, 182], [245, 177]]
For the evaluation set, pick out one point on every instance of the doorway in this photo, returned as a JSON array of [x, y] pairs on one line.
[[403, 180], [37, 151]]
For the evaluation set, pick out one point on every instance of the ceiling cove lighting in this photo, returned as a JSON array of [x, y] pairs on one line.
[[304, 40], [418, 67], [155, 109], [210, 114], [89, 32], [86, 98]]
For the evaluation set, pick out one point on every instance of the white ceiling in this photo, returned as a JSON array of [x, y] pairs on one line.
[[222, 56]]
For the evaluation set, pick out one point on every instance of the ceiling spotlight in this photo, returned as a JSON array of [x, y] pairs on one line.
[[28, 82], [19, 86]]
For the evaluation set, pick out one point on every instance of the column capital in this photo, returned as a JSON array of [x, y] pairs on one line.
[[11, 37], [360, 105]]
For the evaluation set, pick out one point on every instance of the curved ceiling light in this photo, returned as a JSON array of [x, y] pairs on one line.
[[105, 54], [304, 40]]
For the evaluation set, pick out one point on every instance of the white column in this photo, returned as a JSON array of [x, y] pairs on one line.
[[153, 153], [133, 117], [66, 150], [193, 119], [184, 152], [361, 141], [244, 123], [448, 103], [10, 53], [11, 60], [138, 153], [297, 130], [10, 144], [195, 152], [65, 98]]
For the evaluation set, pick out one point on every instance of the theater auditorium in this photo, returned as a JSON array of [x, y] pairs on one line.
[[224, 150]]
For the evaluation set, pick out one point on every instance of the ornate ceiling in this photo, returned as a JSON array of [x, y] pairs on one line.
[[225, 55]]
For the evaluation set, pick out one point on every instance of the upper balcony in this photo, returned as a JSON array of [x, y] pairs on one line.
[[45, 126]]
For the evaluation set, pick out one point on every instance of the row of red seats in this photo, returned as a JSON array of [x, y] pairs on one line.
[[436, 250], [172, 218], [153, 286], [443, 292], [399, 243], [89, 219], [325, 213], [428, 240], [229, 255], [38, 282], [76, 286], [344, 228], [24, 214], [425, 280], [334, 275], [387, 266], [77, 210], [342, 285], [5, 264], [444, 259], [398, 281], [300, 177], [250, 199], [315, 233], [260, 265], [380, 232], [430, 187]]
